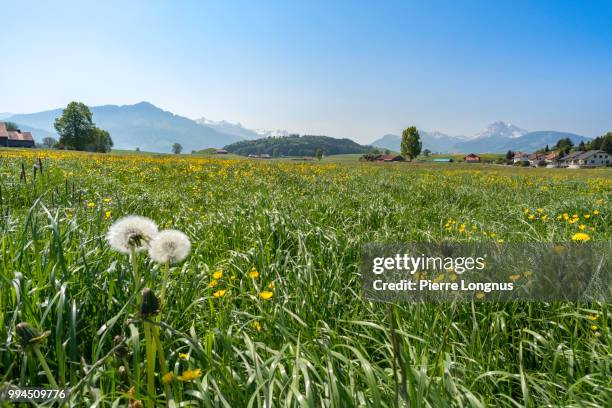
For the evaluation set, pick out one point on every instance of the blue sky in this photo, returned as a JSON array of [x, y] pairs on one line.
[[346, 69]]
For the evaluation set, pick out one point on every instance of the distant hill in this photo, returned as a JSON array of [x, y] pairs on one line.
[[434, 141], [141, 125], [295, 145], [537, 140], [498, 137]]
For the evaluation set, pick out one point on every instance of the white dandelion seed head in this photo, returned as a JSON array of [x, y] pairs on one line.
[[131, 232], [170, 246]]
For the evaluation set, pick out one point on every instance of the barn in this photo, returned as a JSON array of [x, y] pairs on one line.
[[17, 138]]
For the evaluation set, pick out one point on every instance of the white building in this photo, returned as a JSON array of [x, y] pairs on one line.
[[592, 158]]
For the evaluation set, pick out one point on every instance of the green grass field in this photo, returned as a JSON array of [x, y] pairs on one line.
[[298, 331]]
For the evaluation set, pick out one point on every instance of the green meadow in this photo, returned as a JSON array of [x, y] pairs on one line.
[[266, 310]]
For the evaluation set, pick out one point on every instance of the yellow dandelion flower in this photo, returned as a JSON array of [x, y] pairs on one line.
[[544, 217], [540, 210], [593, 317], [575, 216], [190, 375], [256, 325], [168, 377], [107, 214], [594, 327], [527, 274], [480, 295], [565, 216], [220, 293], [106, 200], [587, 216], [271, 285], [266, 294], [525, 210], [213, 283], [581, 227], [580, 236], [184, 356], [253, 274], [531, 216], [91, 204], [514, 278], [218, 274], [438, 279], [596, 212]]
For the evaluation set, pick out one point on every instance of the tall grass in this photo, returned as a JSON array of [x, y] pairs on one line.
[[316, 341]]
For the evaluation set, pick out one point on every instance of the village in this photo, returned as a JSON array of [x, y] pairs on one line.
[[573, 160]]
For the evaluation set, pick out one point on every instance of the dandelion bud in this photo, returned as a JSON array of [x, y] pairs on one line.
[[149, 306], [29, 336], [122, 374], [122, 351]]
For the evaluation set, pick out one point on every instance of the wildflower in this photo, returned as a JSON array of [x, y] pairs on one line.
[[480, 295], [587, 216], [213, 283], [271, 285], [256, 325], [106, 200], [600, 201], [218, 274], [514, 278], [580, 236], [149, 305], [170, 246], [190, 375], [581, 227], [540, 210], [220, 293], [265, 295], [527, 274], [565, 216], [593, 317], [131, 233], [168, 377], [531, 216], [91, 204], [184, 356], [596, 212], [594, 327], [438, 278], [525, 210], [253, 274], [107, 214]]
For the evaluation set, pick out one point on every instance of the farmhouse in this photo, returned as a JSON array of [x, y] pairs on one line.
[[390, 158], [520, 157], [10, 138], [536, 159], [591, 158], [472, 158]]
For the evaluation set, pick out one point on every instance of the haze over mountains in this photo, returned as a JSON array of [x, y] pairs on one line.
[[145, 126], [498, 137]]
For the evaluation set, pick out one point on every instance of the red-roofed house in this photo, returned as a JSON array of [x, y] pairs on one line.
[[10, 138], [472, 158]]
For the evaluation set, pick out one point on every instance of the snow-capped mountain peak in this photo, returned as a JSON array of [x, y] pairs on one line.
[[501, 130]]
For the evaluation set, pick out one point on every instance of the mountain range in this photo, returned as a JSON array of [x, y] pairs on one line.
[[145, 126], [498, 137]]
